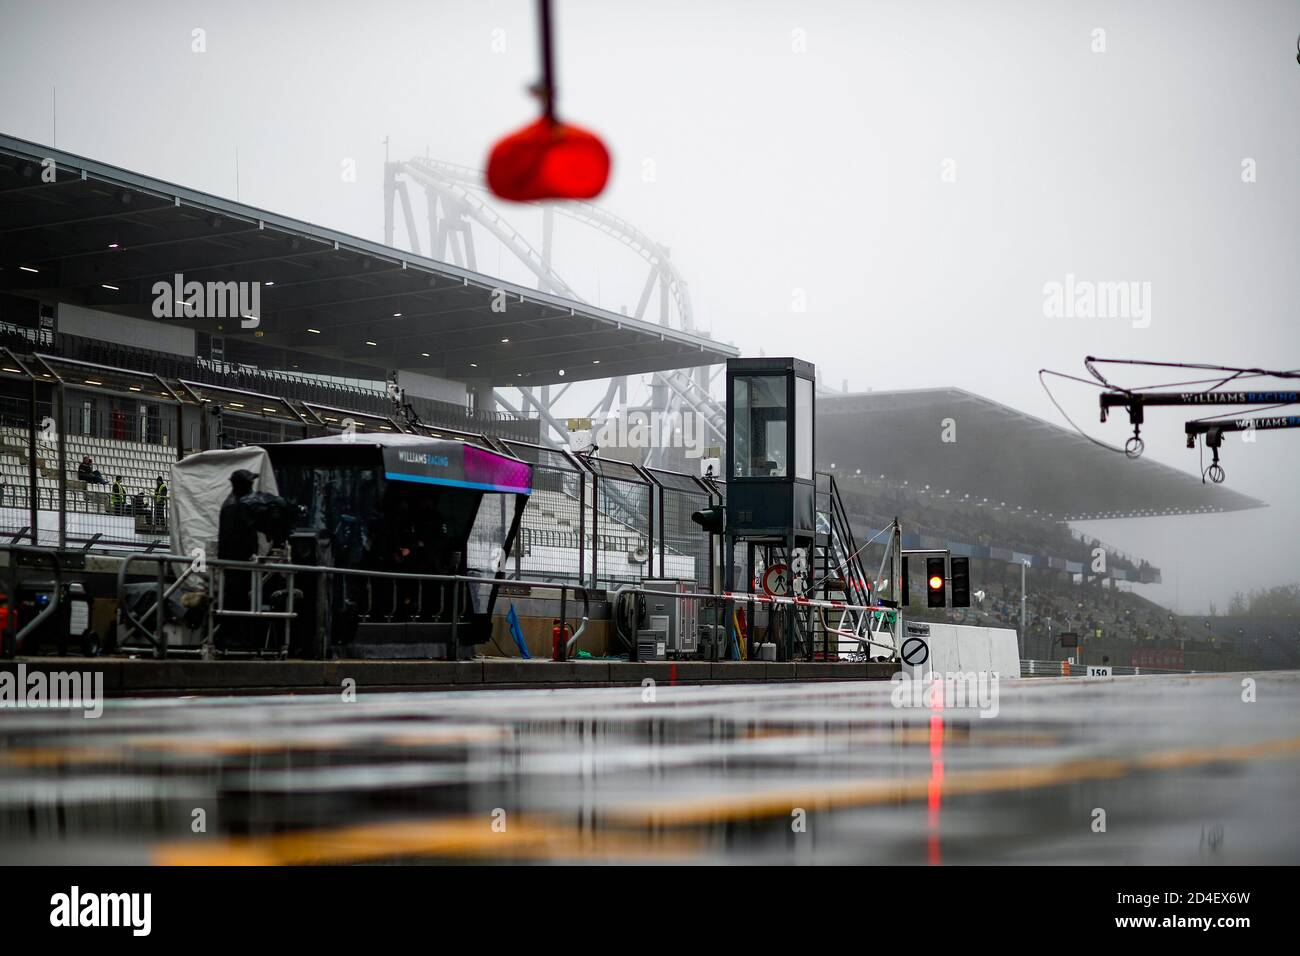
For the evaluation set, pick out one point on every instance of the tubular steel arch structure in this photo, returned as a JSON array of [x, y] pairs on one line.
[[456, 198]]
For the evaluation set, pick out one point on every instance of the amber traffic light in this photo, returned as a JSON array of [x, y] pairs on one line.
[[934, 583]]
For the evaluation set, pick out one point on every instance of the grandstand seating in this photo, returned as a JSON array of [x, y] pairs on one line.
[[952, 517], [139, 464], [557, 511]]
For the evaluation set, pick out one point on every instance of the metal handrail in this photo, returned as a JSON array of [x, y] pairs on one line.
[[159, 644], [271, 567], [1037, 668]]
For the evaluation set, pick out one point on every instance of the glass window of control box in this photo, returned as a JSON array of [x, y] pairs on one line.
[[760, 420], [803, 428]]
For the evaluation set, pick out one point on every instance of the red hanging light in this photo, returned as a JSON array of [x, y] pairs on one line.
[[548, 159]]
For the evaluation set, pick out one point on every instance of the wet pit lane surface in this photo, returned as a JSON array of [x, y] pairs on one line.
[[1127, 770]]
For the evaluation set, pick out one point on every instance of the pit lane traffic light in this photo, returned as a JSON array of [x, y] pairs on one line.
[[960, 575], [935, 589]]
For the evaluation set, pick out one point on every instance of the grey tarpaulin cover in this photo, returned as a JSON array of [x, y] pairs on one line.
[[201, 484]]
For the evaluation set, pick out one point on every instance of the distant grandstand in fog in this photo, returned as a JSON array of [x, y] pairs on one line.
[[1001, 492], [1002, 459]]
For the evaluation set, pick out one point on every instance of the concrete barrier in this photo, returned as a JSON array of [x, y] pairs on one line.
[[964, 649]]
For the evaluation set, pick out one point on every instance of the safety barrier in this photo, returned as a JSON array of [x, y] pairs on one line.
[[1031, 668], [261, 571]]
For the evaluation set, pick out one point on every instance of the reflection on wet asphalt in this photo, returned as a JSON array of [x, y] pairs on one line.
[[1177, 769]]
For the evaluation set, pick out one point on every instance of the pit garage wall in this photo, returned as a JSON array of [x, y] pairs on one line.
[[536, 617]]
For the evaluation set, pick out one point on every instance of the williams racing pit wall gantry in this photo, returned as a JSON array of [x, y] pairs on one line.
[[378, 522]]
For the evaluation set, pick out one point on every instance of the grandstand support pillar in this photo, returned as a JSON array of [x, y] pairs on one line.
[[1024, 637], [180, 433], [61, 426], [484, 397]]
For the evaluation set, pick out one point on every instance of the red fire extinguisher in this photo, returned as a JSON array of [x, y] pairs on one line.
[[560, 640]]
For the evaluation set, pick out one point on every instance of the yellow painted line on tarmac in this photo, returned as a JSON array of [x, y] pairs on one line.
[[83, 756], [875, 791], [32, 757], [461, 837], [232, 746], [37, 757]]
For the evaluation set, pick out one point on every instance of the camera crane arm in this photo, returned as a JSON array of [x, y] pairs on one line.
[[1215, 430]]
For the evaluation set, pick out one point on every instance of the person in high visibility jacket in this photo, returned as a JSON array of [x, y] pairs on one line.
[[160, 501], [118, 496]]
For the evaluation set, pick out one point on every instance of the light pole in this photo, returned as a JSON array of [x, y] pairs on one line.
[[1024, 635]]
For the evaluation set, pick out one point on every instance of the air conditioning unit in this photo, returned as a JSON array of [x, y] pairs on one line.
[[651, 645], [675, 615]]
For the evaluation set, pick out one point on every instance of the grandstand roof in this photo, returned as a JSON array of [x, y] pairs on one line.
[[96, 225], [1003, 455]]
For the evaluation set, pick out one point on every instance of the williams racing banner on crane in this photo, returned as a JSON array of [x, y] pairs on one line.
[[457, 465]]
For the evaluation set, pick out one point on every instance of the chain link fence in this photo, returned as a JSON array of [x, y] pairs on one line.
[[684, 547], [624, 530], [552, 542]]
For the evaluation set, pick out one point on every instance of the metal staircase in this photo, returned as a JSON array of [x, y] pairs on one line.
[[838, 571]]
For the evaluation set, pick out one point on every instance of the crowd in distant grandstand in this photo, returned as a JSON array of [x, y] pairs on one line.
[[1124, 626], [952, 515]]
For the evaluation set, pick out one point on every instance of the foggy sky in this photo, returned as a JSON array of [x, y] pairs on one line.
[[780, 174]]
